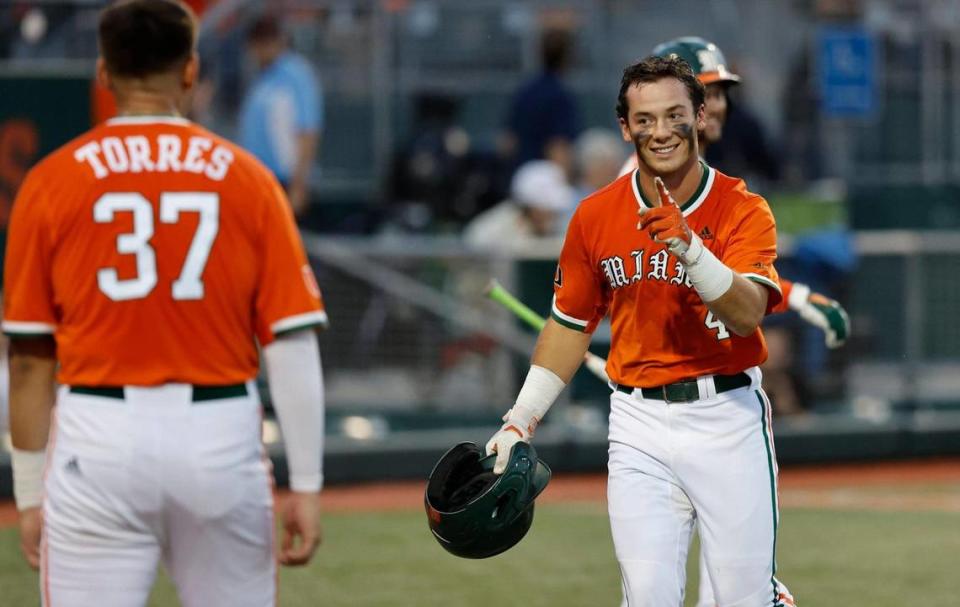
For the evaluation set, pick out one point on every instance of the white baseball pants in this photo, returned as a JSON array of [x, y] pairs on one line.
[[710, 460], [155, 477]]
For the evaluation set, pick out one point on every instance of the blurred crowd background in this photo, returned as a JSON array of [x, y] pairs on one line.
[[430, 145]]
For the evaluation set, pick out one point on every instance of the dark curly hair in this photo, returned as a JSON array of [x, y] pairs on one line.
[[652, 69], [140, 38]]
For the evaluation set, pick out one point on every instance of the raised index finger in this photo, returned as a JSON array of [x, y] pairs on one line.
[[664, 198]]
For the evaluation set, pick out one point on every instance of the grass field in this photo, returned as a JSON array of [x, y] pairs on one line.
[[388, 559]]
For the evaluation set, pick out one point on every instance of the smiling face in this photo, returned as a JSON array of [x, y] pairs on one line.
[[662, 124]]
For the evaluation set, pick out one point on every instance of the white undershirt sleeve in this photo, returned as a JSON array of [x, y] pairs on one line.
[[296, 390]]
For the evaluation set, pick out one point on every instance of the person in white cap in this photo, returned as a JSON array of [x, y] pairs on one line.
[[539, 197]]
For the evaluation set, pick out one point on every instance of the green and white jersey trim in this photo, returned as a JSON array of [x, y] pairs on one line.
[[16, 328], [566, 320], [764, 281], [766, 423], [120, 120], [300, 321], [688, 207]]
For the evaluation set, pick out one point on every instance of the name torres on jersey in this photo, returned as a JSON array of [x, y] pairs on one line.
[[160, 153]]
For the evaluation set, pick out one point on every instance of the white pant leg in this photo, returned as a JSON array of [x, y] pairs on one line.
[[220, 521], [4, 394], [100, 543], [651, 518], [729, 471], [153, 476], [705, 586]]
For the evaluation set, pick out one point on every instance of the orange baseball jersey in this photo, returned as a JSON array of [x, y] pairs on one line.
[[630, 165], [662, 332], [155, 251]]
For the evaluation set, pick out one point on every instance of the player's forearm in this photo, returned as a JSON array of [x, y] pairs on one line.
[[33, 365], [741, 307], [737, 302], [556, 357], [560, 349], [296, 390]]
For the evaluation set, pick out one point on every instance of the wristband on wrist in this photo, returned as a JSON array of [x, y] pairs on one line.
[[27, 477], [541, 387], [710, 277], [798, 296], [306, 483]]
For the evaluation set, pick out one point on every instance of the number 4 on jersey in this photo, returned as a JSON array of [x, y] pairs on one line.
[[189, 284], [713, 323]]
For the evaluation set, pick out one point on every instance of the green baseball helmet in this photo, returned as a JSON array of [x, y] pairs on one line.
[[474, 513], [706, 59]]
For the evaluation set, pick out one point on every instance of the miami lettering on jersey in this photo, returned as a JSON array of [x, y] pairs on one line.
[[661, 330], [155, 252], [657, 265]]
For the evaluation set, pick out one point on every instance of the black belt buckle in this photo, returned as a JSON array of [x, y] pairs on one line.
[[690, 389]]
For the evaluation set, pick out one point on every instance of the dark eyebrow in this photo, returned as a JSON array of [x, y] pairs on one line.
[[672, 108]]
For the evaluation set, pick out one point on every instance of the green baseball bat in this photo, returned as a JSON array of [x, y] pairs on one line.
[[495, 291]]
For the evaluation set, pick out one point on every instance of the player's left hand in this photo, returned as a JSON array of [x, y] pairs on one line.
[[665, 222], [822, 312], [31, 526], [502, 443], [300, 518]]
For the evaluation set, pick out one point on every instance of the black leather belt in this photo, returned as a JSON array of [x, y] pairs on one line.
[[200, 393], [688, 391]]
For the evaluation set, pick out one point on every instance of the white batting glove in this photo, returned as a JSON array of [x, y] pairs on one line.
[[518, 426], [821, 312]]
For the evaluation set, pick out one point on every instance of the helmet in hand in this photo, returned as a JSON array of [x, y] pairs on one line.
[[474, 513]]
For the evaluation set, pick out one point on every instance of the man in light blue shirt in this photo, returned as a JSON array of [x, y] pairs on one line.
[[282, 114]]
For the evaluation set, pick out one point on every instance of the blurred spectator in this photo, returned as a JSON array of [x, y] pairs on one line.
[[744, 149], [540, 198], [805, 138], [544, 117], [598, 154], [282, 114], [438, 177], [32, 31]]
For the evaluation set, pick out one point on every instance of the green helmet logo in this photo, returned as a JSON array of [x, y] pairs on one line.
[[474, 513], [706, 58]]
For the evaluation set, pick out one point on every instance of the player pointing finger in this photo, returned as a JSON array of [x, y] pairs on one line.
[[665, 222], [710, 67], [685, 390]]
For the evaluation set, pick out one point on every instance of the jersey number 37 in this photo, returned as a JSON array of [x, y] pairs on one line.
[[189, 285]]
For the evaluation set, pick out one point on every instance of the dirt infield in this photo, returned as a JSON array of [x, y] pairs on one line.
[[927, 485], [932, 485]]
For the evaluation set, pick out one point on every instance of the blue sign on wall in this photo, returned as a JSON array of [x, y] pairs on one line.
[[847, 66]]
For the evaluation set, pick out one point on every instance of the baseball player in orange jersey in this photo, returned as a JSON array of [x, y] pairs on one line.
[[710, 67], [686, 286], [146, 261]]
